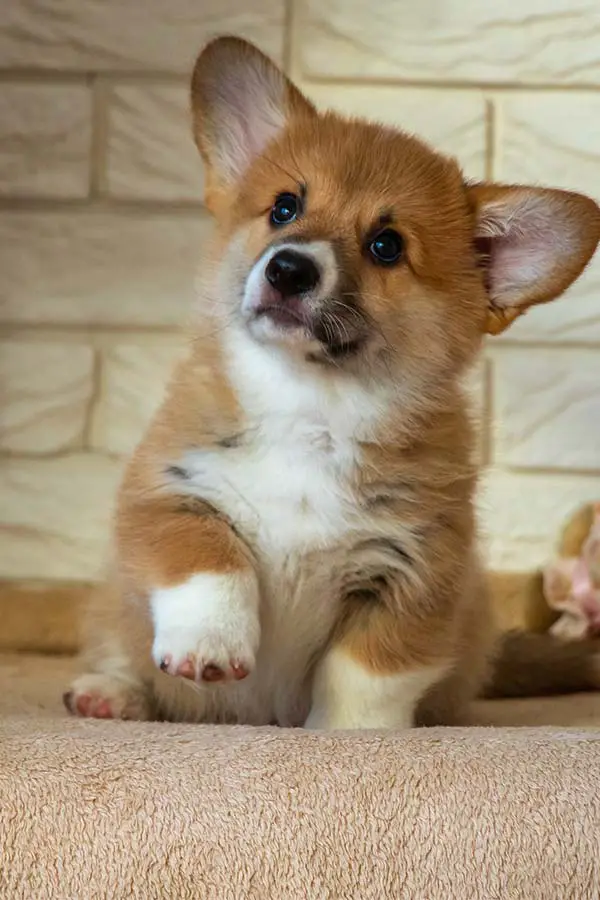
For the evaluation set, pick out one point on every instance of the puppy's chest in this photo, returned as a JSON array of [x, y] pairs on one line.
[[288, 488]]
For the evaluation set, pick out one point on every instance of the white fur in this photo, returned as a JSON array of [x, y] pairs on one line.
[[211, 619], [322, 254], [347, 695], [288, 487]]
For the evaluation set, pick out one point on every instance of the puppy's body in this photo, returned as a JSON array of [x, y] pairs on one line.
[[295, 535], [299, 469]]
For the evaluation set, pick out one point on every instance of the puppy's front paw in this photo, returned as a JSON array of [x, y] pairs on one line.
[[98, 696], [207, 629]]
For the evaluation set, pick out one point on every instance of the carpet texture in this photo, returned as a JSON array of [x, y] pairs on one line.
[[114, 810]]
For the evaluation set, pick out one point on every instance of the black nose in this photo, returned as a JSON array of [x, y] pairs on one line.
[[291, 273]]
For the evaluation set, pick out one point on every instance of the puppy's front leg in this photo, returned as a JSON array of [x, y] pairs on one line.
[[371, 676], [201, 584]]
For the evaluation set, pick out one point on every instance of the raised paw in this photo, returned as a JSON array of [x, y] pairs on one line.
[[195, 669], [105, 697], [206, 630]]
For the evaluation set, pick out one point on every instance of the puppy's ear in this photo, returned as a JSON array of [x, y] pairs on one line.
[[240, 102], [533, 242]]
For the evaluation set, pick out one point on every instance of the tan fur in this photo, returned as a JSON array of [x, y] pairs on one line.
[[168, 537], [409, 591], [437, 479], [575, 531]]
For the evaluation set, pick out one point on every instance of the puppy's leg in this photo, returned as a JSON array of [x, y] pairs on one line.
[[111, 688], [186, 599], [201, 585], [206, 626], [349, 694], [374, 674]]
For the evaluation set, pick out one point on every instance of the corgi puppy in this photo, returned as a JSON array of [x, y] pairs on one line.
[[295, 538]]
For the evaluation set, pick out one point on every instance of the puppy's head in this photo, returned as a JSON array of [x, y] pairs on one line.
[[349, 243]]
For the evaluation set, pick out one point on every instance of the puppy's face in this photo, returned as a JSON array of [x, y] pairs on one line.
[[351, 244]]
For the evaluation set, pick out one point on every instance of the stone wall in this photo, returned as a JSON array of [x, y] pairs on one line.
[[101, 222]]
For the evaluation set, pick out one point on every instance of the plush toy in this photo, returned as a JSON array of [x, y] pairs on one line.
[[572, 580]]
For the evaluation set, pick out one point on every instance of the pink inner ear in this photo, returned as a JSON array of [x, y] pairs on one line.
[[249, 107], [524, 239]]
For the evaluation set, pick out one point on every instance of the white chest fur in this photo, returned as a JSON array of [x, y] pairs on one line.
[[287, 487], [288, 484]]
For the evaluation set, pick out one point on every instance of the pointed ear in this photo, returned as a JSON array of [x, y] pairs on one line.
[[240, 102], [533, 242]]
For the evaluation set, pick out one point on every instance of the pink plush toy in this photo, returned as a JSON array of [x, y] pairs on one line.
[[572, 583]]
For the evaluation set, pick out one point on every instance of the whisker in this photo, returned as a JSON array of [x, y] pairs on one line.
[[303, 180], [352, 311], [343, 331], [286, 172]]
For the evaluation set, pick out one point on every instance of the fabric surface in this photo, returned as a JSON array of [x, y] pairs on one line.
[[95, 809]]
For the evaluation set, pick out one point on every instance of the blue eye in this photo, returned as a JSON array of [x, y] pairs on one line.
[[387, 247], [285, 209]]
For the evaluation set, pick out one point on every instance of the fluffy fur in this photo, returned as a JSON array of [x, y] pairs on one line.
[[295, 538]]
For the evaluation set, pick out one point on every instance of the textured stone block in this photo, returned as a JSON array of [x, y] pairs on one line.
[[547, 406], [46, 390], [151, 154], [55, 514], [132, 386], [99, 268], [112, 35], [522, 515], [536, 41], [45, 135]]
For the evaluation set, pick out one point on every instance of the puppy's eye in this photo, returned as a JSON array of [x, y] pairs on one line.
[[386, 248], [285, 209]]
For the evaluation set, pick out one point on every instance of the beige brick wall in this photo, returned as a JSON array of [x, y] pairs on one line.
[[101, 222]]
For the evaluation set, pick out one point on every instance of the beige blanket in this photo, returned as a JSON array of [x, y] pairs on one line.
[[109, 810]]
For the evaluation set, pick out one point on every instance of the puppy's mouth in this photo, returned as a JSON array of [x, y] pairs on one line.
[[295, 296], [291, 313], [339, 329]]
